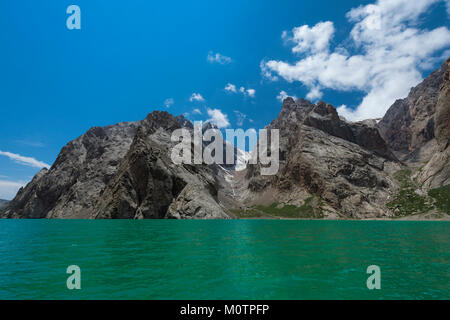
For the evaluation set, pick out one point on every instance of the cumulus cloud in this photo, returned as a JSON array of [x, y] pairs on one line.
[[27, 161], [314, 94], [251, 92], [196, 97], [8, 189], [283, 95], [266, 72], [230, 87], [389, 53], [196, 111], [218, 118], [218, 58], [313, 40], [246, 92], [168, 102]]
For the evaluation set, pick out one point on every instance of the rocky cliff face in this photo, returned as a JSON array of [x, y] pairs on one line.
[[345, 166], [408, 125], [120, 171], [72, 186], [329, 168], [335, 168], [417, 129], [436, 172]]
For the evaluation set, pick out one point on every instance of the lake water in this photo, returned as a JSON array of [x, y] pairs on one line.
[[237, 259]]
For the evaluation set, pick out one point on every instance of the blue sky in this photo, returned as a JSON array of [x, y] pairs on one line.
[[133, 57]]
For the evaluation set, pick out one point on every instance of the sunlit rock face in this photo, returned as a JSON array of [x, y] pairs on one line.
[[120, 171]]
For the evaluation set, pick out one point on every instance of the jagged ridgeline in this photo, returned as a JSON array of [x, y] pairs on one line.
[[329, 168]]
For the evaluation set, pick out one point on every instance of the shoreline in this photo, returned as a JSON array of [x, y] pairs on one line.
[[446, 219]]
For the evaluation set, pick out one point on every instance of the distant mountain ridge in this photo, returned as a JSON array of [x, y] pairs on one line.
[[330, 168]]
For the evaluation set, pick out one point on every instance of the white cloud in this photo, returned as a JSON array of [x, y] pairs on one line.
[[218, 58], [246, 92], [218, 118], [240, 118], [345, 112], [8, 189], [313, 40], [266, 72], [196, 97], [168, 102], [251, 92], [314, 94], [390, 49], [230, 87], [28, 161], [283, 95], [196, 111]]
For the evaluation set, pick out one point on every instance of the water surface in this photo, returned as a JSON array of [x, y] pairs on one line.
[[237, 259]]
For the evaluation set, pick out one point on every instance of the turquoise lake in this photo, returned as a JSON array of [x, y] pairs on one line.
[[235, 259]]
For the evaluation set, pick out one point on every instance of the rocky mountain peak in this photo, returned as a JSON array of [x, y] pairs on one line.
[[327, 110], [324, 116], [184, 122], [161, 120], [408, 125]]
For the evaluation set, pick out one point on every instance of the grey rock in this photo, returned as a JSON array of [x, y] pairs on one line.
[[436, 172], [408, 125], [148, 183], [346, 165], [120, 171]]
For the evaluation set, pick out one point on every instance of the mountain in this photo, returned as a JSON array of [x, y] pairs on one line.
[[436, 172], [408, 125], [394, 167], [341, 168], [417, 129], [121, 171]]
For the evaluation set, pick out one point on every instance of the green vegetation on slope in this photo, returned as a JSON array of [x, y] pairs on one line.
[[442, 198], [408, 202], [404, 203]]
